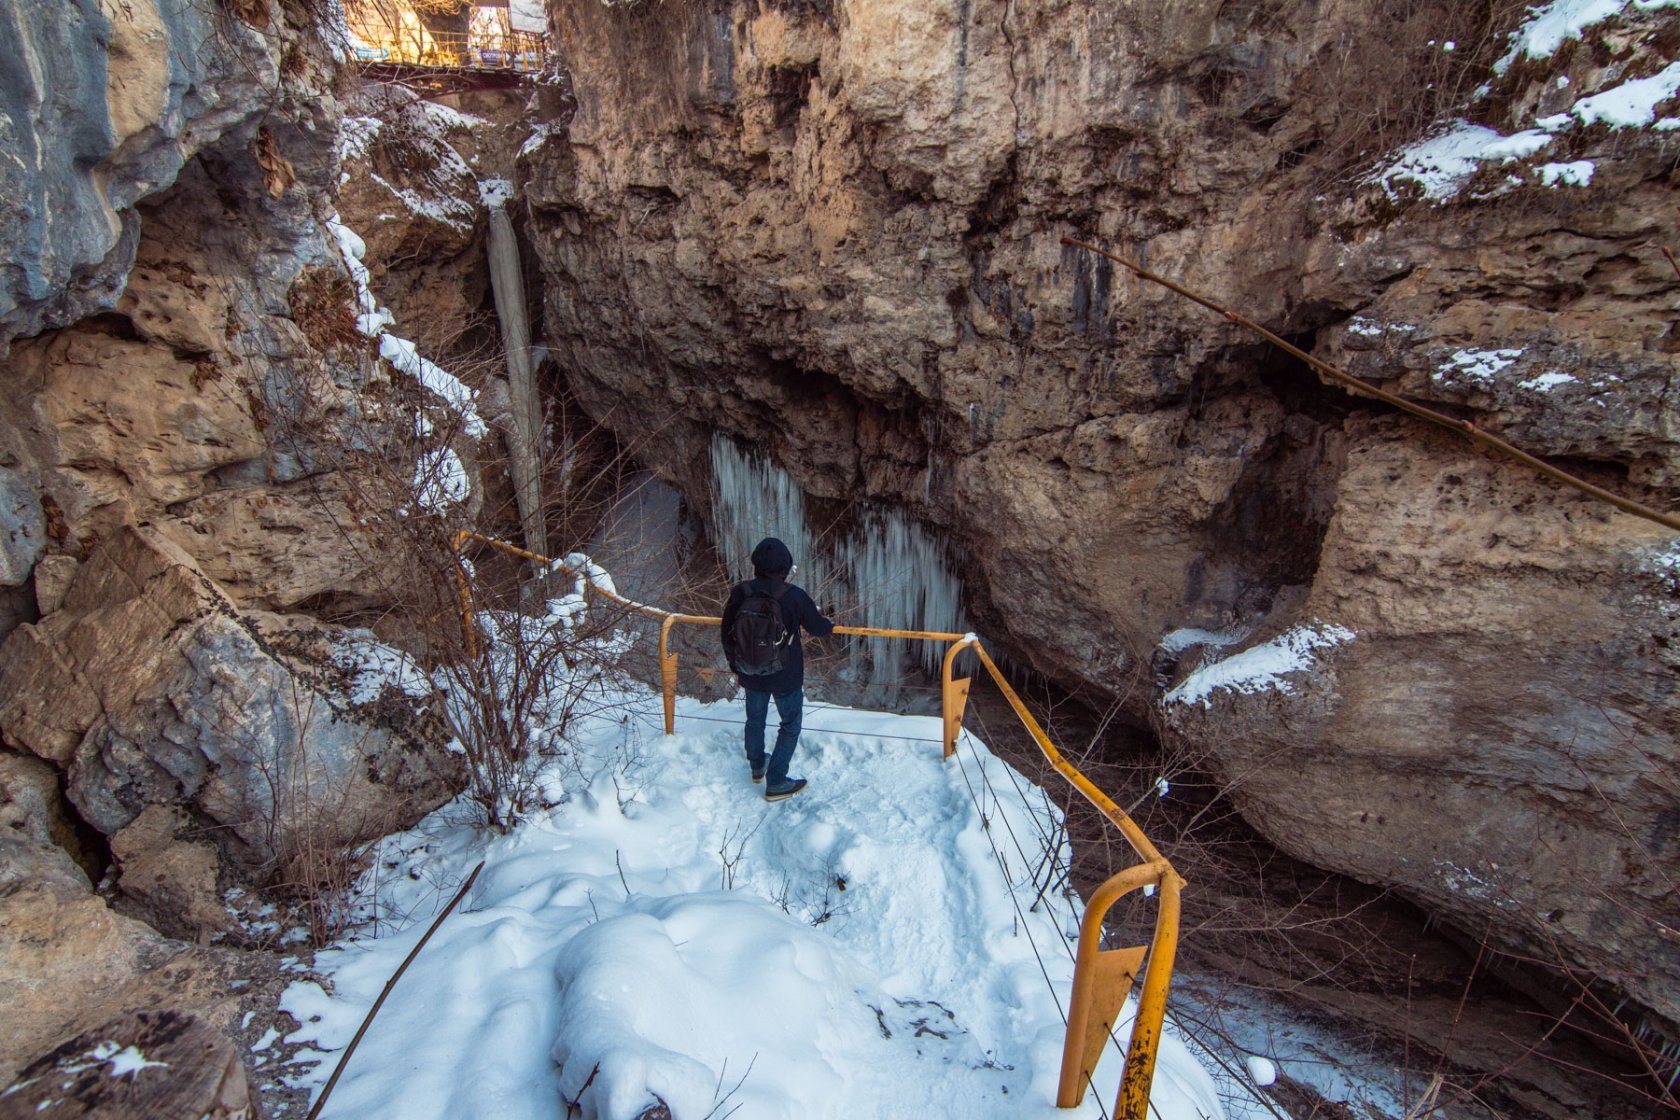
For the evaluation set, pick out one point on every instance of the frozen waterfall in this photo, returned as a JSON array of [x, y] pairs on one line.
[[885, 571]]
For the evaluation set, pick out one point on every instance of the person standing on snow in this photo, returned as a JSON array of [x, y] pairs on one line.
[[761, 624]]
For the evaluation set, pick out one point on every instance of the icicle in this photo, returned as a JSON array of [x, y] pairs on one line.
[[754, 499], [890, 570]]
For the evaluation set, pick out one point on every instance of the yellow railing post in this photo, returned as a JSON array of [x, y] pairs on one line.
[[1132, 1103], [1102, 978], [668, 674], [464, 592], [953, 695]]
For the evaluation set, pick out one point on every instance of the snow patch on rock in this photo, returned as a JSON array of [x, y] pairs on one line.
[[1476, 366], [1264, 668]]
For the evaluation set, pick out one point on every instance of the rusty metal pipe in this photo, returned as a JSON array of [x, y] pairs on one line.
[[1133, 1100], [1463, 427]]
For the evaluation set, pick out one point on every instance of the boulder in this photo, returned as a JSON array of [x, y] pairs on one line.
[[168, 1065], [1406, 742], [68, 961], [170, 878], [150, 690], [32, 807], [23, 528], [53, 576]]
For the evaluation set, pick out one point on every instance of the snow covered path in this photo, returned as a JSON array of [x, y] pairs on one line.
[[854, 951]]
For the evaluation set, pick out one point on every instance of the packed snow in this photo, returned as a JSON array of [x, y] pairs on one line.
[[440, 480], [442, 118], [1441, 163], [405, 356], [1365, 327], [1576, 173], [1477, 366], [1263, 1070], [356, 135], [371, 667], [886, 944], [1266, 667], [1665, 562], [541, 134], [1546, 382], [1633, 104], [1180, 640]]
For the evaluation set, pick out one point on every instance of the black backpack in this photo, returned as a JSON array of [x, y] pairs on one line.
[[761, 634]]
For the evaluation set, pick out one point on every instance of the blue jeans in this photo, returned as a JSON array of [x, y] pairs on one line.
[[790, 708]]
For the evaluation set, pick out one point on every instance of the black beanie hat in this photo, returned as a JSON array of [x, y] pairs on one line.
[[772, 558]]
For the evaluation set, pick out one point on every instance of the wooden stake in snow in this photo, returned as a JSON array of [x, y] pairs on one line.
[[326, 1090]]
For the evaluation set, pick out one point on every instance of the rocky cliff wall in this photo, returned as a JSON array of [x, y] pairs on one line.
[[833, 231], [196, 435]]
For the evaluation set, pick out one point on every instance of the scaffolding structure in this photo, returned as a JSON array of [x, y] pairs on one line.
[[392, 33]]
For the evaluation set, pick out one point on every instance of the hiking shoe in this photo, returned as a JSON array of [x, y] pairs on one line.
[[779, 793], [757, 775]]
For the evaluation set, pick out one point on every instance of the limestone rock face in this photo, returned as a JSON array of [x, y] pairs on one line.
[[31, 806], [835, 234], [106, 103], [157, 697], [233, 433], [68, 962], [414, 200], [178, 342]]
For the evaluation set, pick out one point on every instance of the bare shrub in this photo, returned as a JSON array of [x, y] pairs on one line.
[[1397, 67]]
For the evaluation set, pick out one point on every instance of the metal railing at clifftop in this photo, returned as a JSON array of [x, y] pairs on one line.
[[1102, 978], [522, 51]]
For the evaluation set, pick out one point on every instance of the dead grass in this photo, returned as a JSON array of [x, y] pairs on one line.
[[1381, 82], [323, 305]]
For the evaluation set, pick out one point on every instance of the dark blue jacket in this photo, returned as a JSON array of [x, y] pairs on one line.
[[772, 561]]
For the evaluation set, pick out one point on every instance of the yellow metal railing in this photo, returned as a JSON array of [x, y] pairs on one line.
[[1102, 978], [521, 51]]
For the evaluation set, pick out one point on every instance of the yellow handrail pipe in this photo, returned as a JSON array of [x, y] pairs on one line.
[[1128, 827]]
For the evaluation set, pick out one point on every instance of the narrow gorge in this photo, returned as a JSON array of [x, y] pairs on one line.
[[805, 264]]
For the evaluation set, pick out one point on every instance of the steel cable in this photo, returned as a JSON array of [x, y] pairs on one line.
[[1463, 427]]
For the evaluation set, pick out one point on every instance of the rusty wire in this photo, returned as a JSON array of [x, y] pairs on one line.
[[1463, 427]]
